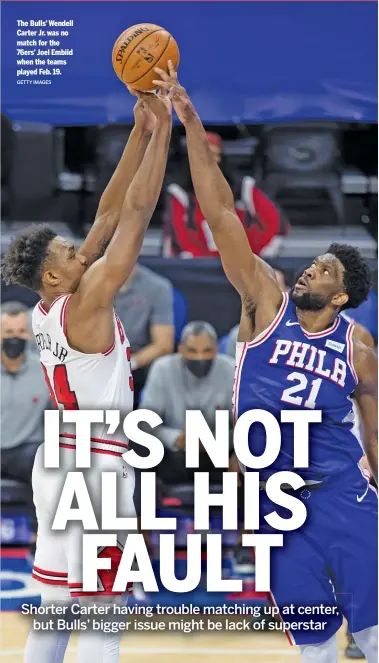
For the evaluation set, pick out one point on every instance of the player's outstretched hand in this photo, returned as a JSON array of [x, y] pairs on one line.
[[159, 104], [180, 99], [144, 117]]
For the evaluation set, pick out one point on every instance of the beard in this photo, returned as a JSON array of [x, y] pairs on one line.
[[309, 301]]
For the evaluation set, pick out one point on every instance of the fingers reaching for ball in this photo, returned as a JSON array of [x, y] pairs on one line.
[[180, 99], [171, 70], [159, 104], [145, 119], [167, 79]]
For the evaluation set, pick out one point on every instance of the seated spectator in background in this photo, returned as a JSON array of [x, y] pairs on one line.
[[196, 378], [230, 347], [24, 396], [187, 233], [144, 305]]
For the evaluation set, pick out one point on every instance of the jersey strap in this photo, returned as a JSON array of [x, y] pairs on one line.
[[349, 353], [264, 335]]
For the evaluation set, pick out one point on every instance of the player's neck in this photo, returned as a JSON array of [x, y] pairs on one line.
[[49, 297], [315, 321]]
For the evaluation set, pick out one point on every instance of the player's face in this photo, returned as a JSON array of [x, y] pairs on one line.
[[198, 353], [198, 347], [15, 332], [65, 266], [15, 326], [320, 284]]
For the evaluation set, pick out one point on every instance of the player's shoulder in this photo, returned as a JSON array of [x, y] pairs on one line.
[[361, 333], [365, 358]]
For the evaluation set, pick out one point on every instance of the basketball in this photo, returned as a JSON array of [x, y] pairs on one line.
[[138, 50]]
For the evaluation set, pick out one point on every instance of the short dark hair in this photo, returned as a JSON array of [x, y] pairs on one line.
[[357, 274], [24, 259], [13, 308], [197, 328]]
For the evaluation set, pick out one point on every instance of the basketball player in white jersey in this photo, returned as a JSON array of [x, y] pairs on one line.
[[86, 359]]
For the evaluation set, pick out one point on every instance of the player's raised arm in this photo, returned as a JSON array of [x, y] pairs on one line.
[[111, 201], [252, 278], [366, 394], [102, 280]]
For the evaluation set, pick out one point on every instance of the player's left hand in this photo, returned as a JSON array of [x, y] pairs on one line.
[[159, 104], [180, 99], [145, 119]]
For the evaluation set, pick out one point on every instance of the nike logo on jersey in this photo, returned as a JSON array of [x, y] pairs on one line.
[[289, 323], [360, 499]]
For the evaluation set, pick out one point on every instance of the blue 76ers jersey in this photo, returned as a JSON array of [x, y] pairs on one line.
[[288, 368]]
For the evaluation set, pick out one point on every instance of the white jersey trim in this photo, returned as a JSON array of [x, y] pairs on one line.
[[98, 445], [326, 332], [349, 353], [266, 333], [241, 349]]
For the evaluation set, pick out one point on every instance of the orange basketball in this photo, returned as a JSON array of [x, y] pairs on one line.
[[138, 50]]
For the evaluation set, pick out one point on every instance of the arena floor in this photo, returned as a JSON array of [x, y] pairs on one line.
[[249, 648]]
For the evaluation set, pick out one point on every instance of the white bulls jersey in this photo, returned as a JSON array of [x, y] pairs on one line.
[[101, 381]]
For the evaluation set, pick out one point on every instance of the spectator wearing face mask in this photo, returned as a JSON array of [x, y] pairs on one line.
[[196, 378], [24, 395]]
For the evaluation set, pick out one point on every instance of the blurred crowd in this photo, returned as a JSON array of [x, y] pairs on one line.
[[177, 365]]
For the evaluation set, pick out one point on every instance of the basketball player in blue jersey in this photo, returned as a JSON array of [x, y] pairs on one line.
[[297, 352]]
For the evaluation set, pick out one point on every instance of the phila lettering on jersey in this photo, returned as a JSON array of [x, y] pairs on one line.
[[288, 368], [101, 381]]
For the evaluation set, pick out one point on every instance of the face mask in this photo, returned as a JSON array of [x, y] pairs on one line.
[[199, 367], [13, 347]]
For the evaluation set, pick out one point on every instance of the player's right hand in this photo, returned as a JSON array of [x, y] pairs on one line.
[[180, 99], [144, 118], [159, 104]]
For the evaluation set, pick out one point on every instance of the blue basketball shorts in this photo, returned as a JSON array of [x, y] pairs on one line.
[[327, 569]]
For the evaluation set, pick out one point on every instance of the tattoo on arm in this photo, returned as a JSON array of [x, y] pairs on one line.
[[101, 248], [103, 245]]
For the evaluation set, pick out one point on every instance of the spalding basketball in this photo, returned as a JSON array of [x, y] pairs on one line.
[[140, 49]]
